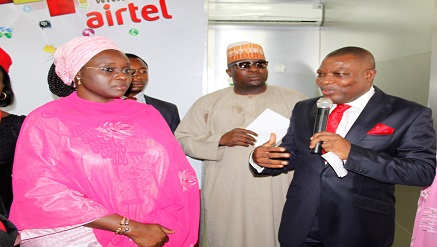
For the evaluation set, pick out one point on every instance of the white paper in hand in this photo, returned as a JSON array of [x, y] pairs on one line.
[[269, 122]]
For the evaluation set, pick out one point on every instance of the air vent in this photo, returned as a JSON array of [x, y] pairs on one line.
[[266, 13]]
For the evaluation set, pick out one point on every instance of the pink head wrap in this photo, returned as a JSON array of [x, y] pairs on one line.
[[5, 60], [73, 55]]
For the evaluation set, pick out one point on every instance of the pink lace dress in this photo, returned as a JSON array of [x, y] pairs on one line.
[[77, 161]]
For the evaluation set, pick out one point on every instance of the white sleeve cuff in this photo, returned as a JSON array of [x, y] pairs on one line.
[[258, 168]]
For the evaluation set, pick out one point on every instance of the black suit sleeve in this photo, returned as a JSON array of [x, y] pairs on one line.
[[175, 119]]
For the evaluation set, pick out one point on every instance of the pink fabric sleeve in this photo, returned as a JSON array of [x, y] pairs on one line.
[[425, 223], [42, 197]]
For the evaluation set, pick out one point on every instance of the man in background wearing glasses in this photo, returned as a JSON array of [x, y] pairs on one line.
[[136, 91], [235, 202]]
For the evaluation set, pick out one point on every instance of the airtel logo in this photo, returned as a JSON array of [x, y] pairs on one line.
[[148, 12]]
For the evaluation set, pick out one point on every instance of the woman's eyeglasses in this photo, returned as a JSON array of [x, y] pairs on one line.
[[114, 71], [248, 64]]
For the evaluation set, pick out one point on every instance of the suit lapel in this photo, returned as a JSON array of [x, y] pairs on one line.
[[312, 114], [378, 107]]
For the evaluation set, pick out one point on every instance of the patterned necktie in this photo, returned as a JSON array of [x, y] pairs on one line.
[[335, 117]]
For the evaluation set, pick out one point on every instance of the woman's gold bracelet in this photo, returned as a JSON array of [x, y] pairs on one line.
[[123, 228]]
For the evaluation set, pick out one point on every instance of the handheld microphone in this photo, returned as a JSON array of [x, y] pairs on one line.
[[323, 106]]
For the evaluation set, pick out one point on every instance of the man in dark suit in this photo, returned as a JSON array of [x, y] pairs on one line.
[[381, 141], [139, 82]]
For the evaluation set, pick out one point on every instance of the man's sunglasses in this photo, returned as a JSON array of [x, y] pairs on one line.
[[248, 64]]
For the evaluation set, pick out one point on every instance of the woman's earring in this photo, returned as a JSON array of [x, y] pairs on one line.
[[4, 96], [78, 81]]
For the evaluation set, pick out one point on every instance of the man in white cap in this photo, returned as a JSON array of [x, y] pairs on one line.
[[239, 209]]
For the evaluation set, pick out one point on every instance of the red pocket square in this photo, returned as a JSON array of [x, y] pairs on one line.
[[381, 129]]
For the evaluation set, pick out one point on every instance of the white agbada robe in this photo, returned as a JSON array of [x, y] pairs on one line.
[[239, 208]]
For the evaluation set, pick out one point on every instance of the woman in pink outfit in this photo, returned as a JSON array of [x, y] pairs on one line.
[[92, 169], [425, 224]]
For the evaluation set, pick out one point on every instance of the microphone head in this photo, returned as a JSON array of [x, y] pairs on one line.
[[324, 102]]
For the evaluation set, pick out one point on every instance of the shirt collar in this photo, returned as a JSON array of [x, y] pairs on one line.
[[140, 97], [361, 102]]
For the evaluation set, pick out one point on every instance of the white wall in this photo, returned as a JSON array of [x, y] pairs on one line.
[[433, 80], [398, 33], [173, 47]]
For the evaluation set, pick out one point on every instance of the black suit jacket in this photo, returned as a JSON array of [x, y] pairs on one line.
[[168, 110], [359, 209], [7, 239]]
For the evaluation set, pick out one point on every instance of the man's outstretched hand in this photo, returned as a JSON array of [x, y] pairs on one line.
[[269, 156]]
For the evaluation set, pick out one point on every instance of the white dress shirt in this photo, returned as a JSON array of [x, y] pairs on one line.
[[351, 114]]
